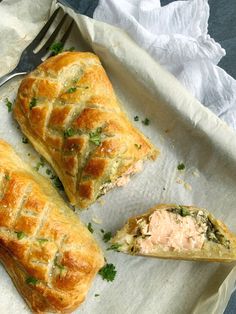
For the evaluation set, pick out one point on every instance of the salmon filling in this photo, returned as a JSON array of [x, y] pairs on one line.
[[123, 180], [171, 232]]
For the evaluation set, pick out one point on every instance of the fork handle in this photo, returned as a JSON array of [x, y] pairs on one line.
[[9, 76]]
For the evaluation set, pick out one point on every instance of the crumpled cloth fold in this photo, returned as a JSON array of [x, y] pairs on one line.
[[176, 36]]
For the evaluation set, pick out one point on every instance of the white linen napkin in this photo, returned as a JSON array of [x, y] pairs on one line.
[[176, 36]]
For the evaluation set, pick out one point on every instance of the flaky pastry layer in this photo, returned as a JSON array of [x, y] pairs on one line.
[[195, 234], [49, 254], [70, 113]]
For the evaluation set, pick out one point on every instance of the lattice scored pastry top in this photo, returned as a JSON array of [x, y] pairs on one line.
[[70, 113], [50, 255]]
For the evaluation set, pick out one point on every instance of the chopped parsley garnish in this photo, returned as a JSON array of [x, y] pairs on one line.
[[56, 48], [108, 272], [32, 281], [96, 295], [181, 210], [25, 140], [61, 267], [95, 137], [39, 164], [7, 177], [90, 228], [213, 234], [136, 118], [181, 166], [8, 104], [71, 90], [107, 236], [146, 121], [69, 132], [20, 235], [42, 240], [138, 146], [102, 231], [114, 247], [57, 182], [48, 171], [32, 103]]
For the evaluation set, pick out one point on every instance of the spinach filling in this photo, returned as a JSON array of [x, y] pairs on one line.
[[212, 233], [181, 210]]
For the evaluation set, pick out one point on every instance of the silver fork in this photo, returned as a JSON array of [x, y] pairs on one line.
[[30, 59]]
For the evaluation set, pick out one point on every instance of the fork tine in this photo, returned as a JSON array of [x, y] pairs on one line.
[[50, 40], [67, 33], [43, 31]]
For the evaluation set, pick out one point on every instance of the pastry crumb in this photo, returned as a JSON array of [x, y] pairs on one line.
[[187, 186], [97, 220], [196, 173], [179, 181]]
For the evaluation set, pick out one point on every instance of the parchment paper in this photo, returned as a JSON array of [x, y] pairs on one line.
[[184, 131]]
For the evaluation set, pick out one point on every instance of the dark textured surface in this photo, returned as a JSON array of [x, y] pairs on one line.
[[85, 7], [222, 27]]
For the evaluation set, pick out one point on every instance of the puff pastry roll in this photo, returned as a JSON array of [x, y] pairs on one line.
[[68, 110], [177, 232], [49, 254]]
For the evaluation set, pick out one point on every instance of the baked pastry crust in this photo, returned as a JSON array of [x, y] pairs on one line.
[[68, 110], [212, 250], [49, 254]]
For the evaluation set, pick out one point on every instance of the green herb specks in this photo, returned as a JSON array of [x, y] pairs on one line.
[[33, 103], [8, 104], [138, 146], [42, 240], [114, 247], [20, 235], [180, 210], [108, 272], [95, 137], [39, 164], [213, 234], [107, 236], [69, 132], [71, 90], [7, 177], [31, 281], [90, 228], [146, 121], [48, 171], [56, 48], [25, 140], [181, 166], [57, 182], [136, 118]]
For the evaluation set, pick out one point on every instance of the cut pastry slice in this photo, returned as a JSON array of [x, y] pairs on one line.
[[49, 254], [177, 232], [68, 110]]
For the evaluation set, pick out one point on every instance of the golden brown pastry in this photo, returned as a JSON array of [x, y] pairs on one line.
[[49, 254], [68, 110], [177, 232]]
